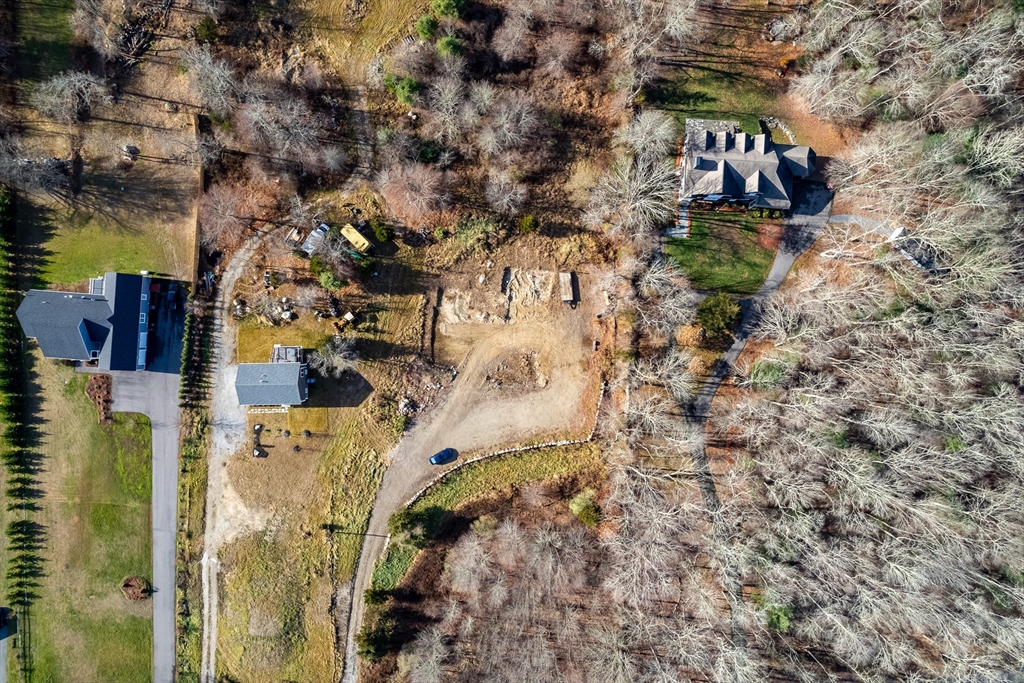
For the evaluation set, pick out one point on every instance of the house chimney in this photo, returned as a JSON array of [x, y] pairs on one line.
[[763, 143]]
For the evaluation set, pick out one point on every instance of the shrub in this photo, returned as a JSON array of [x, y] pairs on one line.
[[401, 521], [447, 8], [717, 314], [586, 510], [376, 596], [449, 46], [317, 265], [426, 27], [528, 224], [381, 231], [375, 641], [779, 617], [206, 31], [439, 233], [406, 91], [329, 280]]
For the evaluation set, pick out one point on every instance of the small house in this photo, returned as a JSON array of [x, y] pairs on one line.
[[284, 381]]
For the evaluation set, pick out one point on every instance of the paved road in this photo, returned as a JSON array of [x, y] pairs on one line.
[[155, 395]]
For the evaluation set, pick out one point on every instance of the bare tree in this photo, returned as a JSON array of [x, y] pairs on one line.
[[26, 173], [504, 194], [336, 356], [211, 78], [67, 97], [414, 191], [225, 213]]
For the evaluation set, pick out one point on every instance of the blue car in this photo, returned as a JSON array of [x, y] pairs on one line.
[[447, 455]]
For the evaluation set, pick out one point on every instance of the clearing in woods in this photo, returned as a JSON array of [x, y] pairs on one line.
[[731, 74], [95, 509]]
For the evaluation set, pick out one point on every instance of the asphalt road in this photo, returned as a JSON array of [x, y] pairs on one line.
[[155, 394]]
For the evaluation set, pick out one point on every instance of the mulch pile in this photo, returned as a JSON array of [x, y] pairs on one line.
[[135, 588], [99, 389]]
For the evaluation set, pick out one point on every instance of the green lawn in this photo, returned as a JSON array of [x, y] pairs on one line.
[[98, 521], [710, 94], [476, 480], [72, 246], [722, 252], [44, 32]]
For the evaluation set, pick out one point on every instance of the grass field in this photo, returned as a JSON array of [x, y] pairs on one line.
[[44, 29], [96, 512], [476, 480], [354, 43], [725, 252]]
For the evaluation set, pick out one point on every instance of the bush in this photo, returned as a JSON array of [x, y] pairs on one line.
[[718, 313], [447, 8], [406, 91], [381, 231], [376, 596], [374, 642], [426, 27], [585, 509], [528, 224], [329, 280], [449, 46], [317, 266], [206, 31], [439, 234], [401, 521], [779, 617]]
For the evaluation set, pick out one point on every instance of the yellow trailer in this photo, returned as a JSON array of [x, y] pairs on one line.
[[361, 244]]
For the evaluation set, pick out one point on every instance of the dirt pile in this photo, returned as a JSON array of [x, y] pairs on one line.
[[100, 389], [135, 587]]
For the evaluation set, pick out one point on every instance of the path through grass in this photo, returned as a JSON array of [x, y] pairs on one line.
[[724, 252]]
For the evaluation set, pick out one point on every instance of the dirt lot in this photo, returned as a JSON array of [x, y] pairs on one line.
[[520, 351]]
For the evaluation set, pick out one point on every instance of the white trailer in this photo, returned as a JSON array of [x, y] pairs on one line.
[[565, 284]]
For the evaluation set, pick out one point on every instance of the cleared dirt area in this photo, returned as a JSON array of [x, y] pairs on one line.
[[523, 356]]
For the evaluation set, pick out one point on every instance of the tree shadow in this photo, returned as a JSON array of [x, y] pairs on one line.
[[349, 391]]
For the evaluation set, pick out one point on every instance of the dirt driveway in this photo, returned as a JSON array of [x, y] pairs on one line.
[[527, 364]]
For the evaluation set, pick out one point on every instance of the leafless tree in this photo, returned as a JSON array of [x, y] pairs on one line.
[[67, 97], [225, 214], [308, 296], [27, 173], [634, 196], [414, 191], [504, 194], [211, 78], [336, 356], [559, 53]]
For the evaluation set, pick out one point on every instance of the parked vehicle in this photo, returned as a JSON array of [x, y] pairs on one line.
[[447, 455], [566, 288]]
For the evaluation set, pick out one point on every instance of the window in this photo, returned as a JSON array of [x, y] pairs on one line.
[[142, 318], [94, 354]]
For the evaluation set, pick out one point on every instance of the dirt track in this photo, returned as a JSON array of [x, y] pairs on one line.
[[478, 416]]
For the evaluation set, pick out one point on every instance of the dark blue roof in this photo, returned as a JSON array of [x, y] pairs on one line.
[[72, 325]]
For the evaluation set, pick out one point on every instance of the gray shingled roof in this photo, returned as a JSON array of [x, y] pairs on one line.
[[271, 384], [744, 166], [70, 325]]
